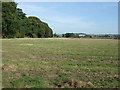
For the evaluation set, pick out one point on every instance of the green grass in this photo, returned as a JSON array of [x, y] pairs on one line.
[[45, 63]]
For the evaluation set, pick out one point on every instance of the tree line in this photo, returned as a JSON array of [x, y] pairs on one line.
[[15, 23], [72, 35], [83, 35]]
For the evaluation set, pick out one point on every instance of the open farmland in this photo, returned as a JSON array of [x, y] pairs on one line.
[[45, 63]]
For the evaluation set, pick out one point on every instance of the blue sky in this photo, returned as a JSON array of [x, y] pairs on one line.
[[81, 17]]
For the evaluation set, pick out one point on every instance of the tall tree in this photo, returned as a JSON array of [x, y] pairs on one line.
[[8, 19]]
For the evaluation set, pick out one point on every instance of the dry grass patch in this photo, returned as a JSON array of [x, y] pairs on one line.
[[9, 68], [27, 44]]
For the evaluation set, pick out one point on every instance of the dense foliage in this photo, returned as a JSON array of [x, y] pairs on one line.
[[15, 24], [76, 35]]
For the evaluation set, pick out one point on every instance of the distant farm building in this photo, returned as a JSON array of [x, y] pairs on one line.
[[81, 34]]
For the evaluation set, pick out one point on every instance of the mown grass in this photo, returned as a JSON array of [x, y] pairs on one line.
[[45, 63]]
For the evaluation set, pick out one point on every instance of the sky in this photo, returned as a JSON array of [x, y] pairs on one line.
[[75, 17]]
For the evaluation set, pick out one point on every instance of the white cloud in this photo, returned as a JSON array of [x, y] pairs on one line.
[[49, 13], [32, 8], [56, 20]]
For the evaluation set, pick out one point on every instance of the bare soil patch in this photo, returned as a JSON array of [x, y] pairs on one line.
[[75, 84]]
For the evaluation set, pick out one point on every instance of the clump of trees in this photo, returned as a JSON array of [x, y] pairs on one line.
[[15, 24], [55, 35], [70, 35], [76, 35]]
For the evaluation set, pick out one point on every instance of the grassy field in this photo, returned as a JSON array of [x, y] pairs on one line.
[[46, 63]]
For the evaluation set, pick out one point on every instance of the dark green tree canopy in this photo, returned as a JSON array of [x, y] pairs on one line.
[[15, 24]]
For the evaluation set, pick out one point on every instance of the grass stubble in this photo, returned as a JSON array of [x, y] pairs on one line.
[[52, 63]]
